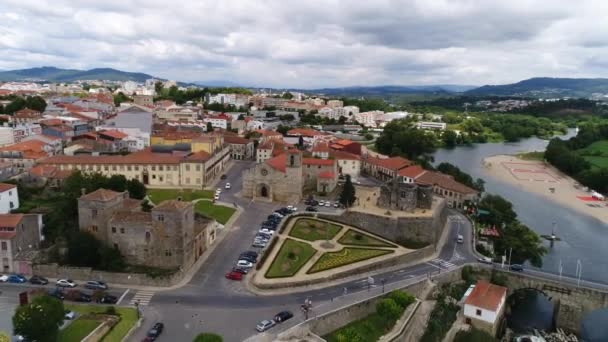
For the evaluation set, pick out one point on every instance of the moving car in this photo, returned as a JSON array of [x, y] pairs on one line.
[[485, 260], [311, 209], [223, 177], [65, 283], [3, 278], [96, 285], [265, 325], [460, 238], [35, 279], [244, 263], [156, 330], [69, 315], [216, 197], [16, 279], [517, 268], [283, 316], [234, 275], [107, 299], [227, 186]]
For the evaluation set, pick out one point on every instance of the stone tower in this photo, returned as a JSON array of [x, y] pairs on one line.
[[425, 196], [294, 178]]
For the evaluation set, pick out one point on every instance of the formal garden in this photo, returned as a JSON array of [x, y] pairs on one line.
[[313, 245]]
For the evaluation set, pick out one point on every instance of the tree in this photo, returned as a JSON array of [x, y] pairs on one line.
[[461, 176], [111, 259], [388, 309], [349, 335], [283, 129], [39, 320], [136, 189], [474, 335], [287, 95], [16, 105], [83, 250], [158, 87], [368, 136], [449, 138], [399, 138], [342, 120], [209, 127], [500, 210], [522, 243], [301, 141], [347, 197], [35, 103], [120, 98], [241, 117], [208, 337]]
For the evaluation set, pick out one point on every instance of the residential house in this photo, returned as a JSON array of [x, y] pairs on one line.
[[25, 154], [19, 234], [454, 192], [7, 136], [25, 116], [384, 169], [24, 130], [9, 198], [484, 306], [240, 148]]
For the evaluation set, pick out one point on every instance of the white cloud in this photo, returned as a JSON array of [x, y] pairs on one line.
[[315, 43]]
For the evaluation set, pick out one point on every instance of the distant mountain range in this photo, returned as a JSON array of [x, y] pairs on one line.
[[546, 87], [389, 90], [52, 74]]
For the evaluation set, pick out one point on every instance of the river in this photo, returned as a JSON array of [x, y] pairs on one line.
[[584, 238]]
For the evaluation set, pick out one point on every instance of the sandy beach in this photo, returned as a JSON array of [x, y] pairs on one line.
[[543, 179]]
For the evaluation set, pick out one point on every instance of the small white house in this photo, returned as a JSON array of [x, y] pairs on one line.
[[9, 198], [485, 305]]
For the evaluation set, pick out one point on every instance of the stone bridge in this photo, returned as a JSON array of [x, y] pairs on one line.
[[572, 302]]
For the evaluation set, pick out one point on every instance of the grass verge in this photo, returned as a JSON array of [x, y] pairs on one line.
[[353, 237], [128, 317], [313, 230], [159, 195], [290, 258], [218, 212], [536, 155], [345, 257], [78, 330]]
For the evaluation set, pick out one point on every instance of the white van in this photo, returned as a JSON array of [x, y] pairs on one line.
[[460, 238]]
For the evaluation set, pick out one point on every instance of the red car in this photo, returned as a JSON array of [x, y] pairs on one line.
[[234, 275]]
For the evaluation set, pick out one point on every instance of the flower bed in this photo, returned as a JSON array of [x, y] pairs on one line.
[[290, 258], [355, 238], [344, 257], [313, 230]]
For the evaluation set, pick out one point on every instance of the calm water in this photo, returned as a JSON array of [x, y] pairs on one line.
[[584, 238], [530, 310]]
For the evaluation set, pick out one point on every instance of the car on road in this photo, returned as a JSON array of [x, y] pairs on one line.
[[328, 204], [65, 283], [460, 238], [156, 330], [265, 325], [107, 299], [16, 279], [321, 203], [227, 186], [241, 270], [336, 204], [38, 280], [216, 197], [57, 293], [244, 263], [69, 315], [517, 268], [266, 231], [283, 316], [248, 257], [4, 278], [96, 285], [223, 177], [485, 260], [311, 209], [234, 275]]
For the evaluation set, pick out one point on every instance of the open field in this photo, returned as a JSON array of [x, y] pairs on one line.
[[218, 212], [291, 257], [159, 195], [596, 154], [352, 237], [344, 257], [313, 230], [128, 317], [78, 329]]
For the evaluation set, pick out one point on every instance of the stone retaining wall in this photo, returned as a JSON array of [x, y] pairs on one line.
[[87, 273]]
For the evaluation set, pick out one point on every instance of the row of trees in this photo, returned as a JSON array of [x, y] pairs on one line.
[[18, 103], [399, 138]]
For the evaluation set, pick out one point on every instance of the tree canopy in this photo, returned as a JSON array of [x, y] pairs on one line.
[[348, 196], [39, 320], [399, 138]]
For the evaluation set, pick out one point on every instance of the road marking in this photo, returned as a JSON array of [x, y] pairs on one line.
[[142, 297], [441, 264], [123, 296]]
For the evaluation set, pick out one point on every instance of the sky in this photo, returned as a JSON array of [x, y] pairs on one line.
[[312, 43]]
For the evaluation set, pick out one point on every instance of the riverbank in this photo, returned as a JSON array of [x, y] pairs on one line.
[[543, 179]]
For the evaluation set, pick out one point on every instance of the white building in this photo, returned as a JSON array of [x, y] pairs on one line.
[[369, 119], [484, 306], [9, 198], [129, 87], [327, 112], [6, 136], [431, 125], [348, 111], [237, 100], [24, 130]]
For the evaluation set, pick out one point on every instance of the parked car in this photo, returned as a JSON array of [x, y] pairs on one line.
[[258, 244], [252, 253], [517, 268], [218, 190], [233, 275], [244, 263], [485, 260], [16, 279], [156, 330], [241, 270], [70, 315], [227, 186], [265, 325], [3, 278], [57, 293], [336, 204], [311, 209], [292, 208], [248, 257], [65, 283], [107, 299], [83, 298], [266, 231], [96, 285], [283, 316], [216, 197], [223, 177], [328, 204], [321, 203], [38, 280], [278, 214]]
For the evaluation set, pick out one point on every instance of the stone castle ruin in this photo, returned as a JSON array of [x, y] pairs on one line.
[[395, 195]]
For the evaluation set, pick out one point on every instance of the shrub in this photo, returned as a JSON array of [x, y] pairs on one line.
[[208, 337], [291, 255], [411, 243], [468, 275], [498, 278], [474, 335], [358, 237], [401, 298], [349, 335], [388, 309], [110, 310]]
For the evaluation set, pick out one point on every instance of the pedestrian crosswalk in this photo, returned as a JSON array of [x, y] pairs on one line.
[[443, 264], [456, 257], [142, 297]]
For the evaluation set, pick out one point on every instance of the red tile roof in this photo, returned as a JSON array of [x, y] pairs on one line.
[[486, 296], [413, 171], [27, 113], [235, 140], [101, 195], [278, 163], [201, 156], [112, 133], [305, 132], [10, 220], [31, 149], [343, 142], [49, 171], [445, 182], [327, 175], [317, 161], [268, 133], [5, 187], [341, 155], [321, 147], [142, 157], [393, 163]]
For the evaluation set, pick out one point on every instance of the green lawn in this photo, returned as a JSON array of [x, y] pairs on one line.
[[597, 162], [353, 237], [536, 155], [344, 257], [78, 330], [128, 318], [291, 257], [596, 154], [370, 328], [159, 195], [218, 212], [312, 230]]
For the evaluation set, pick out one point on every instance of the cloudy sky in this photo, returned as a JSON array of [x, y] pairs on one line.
[[312, 43]]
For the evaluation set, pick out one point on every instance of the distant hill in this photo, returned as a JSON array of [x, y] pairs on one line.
[[546, 87], [388, 90], [53, 74]]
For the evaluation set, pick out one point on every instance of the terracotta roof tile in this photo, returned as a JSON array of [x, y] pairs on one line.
[[101, 195], [235, 140], [341, 155], [114, 134], [413, 171], [321, 147], [306, 132], [10, 220], [327, 175], [131, 217], [317, 161], [199, 156], [5, 187], [393, 163], [141, 157], [445, 182], [173, 205], [278, 163], [486, 296]]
